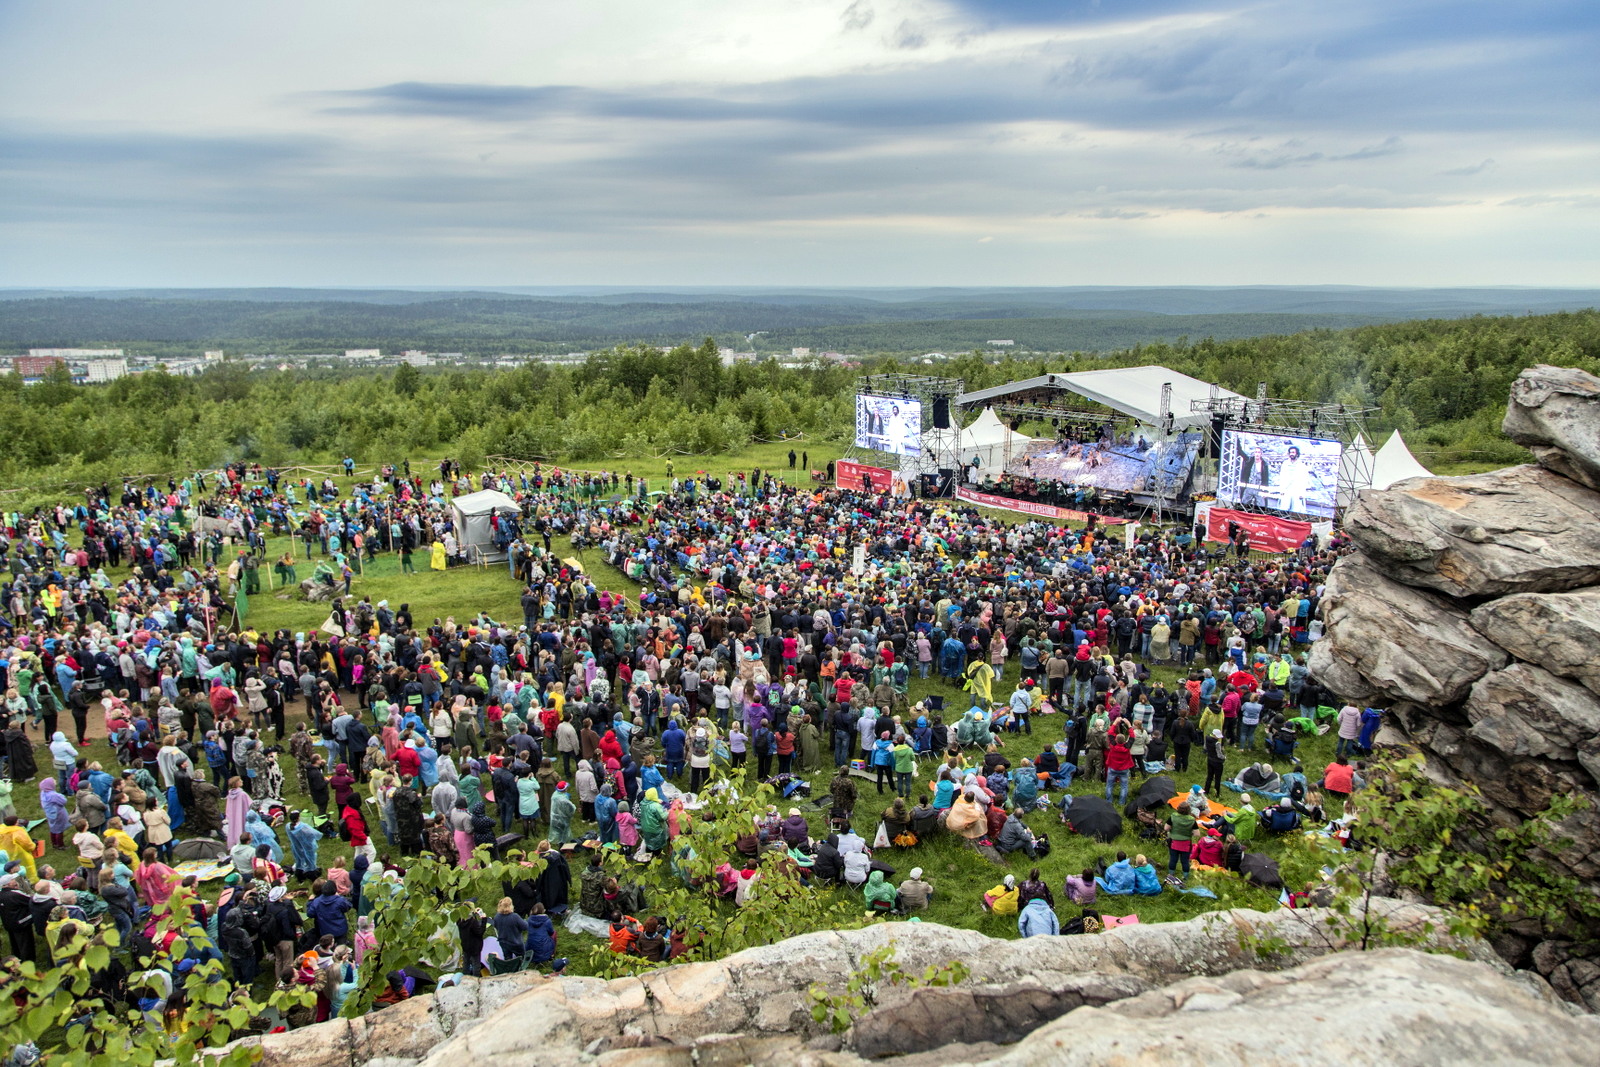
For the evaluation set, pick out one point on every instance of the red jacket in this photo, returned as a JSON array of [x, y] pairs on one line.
[[1340, 778], [1118, 758]]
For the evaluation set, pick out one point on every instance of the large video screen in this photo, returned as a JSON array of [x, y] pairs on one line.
[[1298, 475], [1135, 464], [889, 424]]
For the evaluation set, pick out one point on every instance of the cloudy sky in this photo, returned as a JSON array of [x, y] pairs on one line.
[[799, 142]]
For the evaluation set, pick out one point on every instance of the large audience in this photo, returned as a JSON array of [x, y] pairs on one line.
[[776, 633]]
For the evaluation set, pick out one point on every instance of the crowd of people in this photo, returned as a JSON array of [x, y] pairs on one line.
[[762, 642]]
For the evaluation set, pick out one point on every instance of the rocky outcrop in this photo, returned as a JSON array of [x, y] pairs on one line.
[[1397, 642], [1555, 414], [1522, 529], [760, 995], [1472, 609]]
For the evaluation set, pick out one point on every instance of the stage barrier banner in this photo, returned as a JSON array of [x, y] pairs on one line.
[[1028, 507], [1268, 533], [847, 474]]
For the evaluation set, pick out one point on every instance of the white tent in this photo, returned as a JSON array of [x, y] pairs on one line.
[[472, 523], [1394, 462], [985, 439]]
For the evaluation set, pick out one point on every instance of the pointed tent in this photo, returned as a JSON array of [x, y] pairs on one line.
[[471, 514], [985, 439], [1394, 462], [1355, 470]]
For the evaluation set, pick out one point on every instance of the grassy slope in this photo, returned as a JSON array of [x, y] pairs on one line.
[[959, 874]]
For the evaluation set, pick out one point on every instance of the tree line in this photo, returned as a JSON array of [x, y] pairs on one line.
[[1442, 382]]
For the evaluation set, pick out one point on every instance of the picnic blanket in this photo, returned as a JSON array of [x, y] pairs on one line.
[[1111, 922], [1212, 808], [203, 870]]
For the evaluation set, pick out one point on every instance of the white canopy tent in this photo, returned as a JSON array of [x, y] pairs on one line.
[[1394, 462], [986, 441], [471, 514]]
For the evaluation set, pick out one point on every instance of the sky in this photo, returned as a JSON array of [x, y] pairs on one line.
[[799, 142]]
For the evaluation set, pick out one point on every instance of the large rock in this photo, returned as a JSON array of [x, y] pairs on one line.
[[1527, 711], [1523, 529], [1389, 1007], [1555, 413], [1386, 641], [1558, 631], [762, 993]]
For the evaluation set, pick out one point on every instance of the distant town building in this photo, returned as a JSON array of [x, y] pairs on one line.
[[416, 359], [729, 357], [77, 353], [212, 357], [104, 370], [363, 353], [36, 366], [1000, 344], [799, 353]]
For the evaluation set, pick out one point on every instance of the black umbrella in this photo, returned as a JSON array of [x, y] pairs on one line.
[[1094, 817], [1156, 791], [1260, 868]]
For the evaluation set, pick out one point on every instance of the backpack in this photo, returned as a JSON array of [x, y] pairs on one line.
[[700, 746]]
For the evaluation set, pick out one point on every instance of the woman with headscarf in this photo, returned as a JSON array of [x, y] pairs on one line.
[[54, 804], [237, 810], [470, 785], [653, 821], [554, 883]]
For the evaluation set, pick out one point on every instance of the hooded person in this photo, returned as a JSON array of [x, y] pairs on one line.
[[1038, 918], [653, 822], [19, 750], [879, 894], [605, 814], [204, 816], [64, 756], [237, 810], [262, 833], [796, 832], [561, 811], [54, 804]]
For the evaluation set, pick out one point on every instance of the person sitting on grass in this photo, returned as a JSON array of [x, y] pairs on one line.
[[1081, 888], [1037, 919], [1015, 836], [1118, 879], [914, 892], [1145, 880], [880, 895], [1002, 899], [1281, 818]]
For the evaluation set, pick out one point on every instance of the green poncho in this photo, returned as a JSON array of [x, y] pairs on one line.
[[653, 822], [878, 891]]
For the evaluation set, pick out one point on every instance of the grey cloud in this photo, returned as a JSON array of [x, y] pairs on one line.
[[1467, 172]]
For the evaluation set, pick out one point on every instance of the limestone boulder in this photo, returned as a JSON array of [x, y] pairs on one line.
[[1525, 711], [1522, 529], [1558, 631], [1387, 641], [1555, 413]]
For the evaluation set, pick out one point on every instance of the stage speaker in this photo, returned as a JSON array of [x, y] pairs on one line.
[[947, 481], [1214, 438], [941, 413]]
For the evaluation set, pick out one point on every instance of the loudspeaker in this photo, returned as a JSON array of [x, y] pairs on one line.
[[1214, 439], [941, 413]]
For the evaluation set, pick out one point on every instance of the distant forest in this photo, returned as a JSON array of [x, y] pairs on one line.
[[486, 325], [1443, 382]]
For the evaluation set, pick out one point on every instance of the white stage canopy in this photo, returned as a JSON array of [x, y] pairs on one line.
[[472, 513], [1132, 391]]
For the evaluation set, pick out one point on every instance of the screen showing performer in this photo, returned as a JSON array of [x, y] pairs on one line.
[[1279, 472], [889, 424]]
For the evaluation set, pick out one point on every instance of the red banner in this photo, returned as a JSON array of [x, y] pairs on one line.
[[1268, 533], [1028, 507], [847, 474]]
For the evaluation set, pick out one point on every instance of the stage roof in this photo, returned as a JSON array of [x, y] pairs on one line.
[[1133, 391]]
